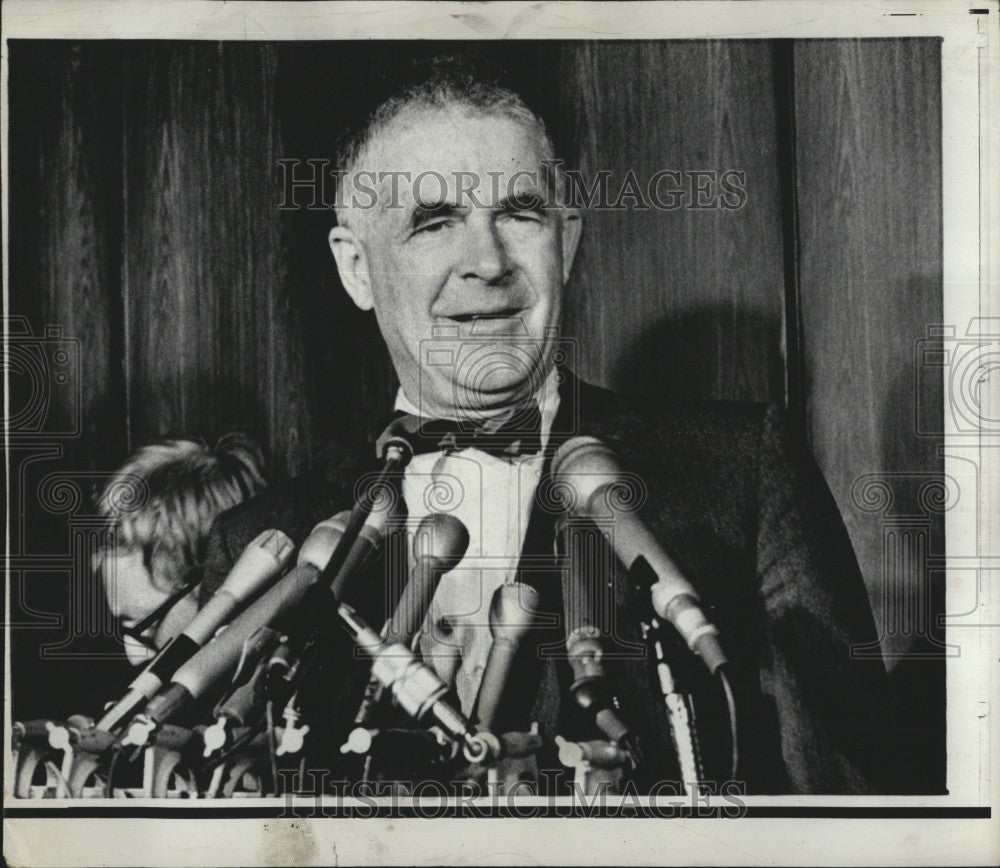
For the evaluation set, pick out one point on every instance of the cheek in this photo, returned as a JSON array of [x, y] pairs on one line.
[[137, 653], [129, 589], [539, 257], [404, 292], [544, 274]]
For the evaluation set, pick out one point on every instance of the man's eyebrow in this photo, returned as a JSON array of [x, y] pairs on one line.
[[425, 211]]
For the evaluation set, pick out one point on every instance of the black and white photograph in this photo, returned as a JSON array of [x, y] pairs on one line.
[[499, 415]]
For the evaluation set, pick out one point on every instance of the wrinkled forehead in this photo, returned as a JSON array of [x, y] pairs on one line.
[[461, 155]]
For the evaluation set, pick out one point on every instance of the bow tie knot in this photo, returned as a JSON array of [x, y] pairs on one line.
[[509, 435]]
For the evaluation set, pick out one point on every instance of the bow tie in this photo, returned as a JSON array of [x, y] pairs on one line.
[[510, 435]]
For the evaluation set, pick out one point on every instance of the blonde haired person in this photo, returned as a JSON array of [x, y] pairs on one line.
[[160, 506]]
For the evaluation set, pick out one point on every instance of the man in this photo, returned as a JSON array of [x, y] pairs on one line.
[[453, 226], [150, 564]]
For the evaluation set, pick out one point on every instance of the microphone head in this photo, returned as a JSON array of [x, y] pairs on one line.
[[275, 543], [442, 537], [438, 545], [262, 558], [581, 468], [513, 611], [319, 546]]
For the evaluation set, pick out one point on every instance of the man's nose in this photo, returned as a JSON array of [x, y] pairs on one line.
[[484, 255]]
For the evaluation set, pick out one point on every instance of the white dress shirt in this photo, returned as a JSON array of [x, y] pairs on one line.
[[492, 496]]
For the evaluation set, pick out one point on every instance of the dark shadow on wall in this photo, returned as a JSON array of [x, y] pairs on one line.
[[912, 625], [706, 354]]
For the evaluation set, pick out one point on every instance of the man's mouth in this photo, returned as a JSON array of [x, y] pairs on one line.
[[476, 316]]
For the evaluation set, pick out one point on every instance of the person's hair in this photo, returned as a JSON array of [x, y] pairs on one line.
[[164, 499], [447, 81]]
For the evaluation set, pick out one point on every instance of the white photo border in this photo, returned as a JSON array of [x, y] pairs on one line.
[[970, 86]]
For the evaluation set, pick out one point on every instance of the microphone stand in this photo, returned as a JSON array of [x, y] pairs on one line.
[[174, 750], [682, 731], [598, 765], [42, 742], [518, 765], [418, 690]]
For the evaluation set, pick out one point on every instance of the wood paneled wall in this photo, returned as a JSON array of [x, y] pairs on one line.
[[688, 299], [213, 340], [145, 222], [66, 234], [869, 199]]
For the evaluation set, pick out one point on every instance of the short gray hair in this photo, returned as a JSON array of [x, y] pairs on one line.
[[442, 82], [166, 496]]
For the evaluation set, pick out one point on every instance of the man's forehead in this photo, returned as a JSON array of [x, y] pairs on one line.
[[464, 147]]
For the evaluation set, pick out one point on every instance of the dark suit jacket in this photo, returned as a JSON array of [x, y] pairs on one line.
[[747, 515]]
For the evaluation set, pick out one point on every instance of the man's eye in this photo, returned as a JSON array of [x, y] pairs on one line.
[[524, 216], [430, 228]]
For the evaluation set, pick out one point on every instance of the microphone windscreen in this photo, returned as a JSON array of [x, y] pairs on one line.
[[214, 664], [440, 542], [322, 541], [581, 468], [441, 537]]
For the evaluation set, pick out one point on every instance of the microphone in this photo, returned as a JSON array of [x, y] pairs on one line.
[[439, 544], [591, 470], [415, 686], [513, 612], [396, 452], [240, 705], [257, 567], [217, 661], [591, 688]]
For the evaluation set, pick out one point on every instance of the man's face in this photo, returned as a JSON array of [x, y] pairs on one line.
[[132, 595], [465, 269]]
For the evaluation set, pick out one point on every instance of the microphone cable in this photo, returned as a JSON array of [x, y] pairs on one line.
[[272, 744], [727, 688]]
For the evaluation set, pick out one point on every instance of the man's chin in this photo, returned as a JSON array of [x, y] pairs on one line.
[[474, 400]]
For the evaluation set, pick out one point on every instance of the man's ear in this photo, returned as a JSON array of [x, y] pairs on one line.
[[352, 262], [572, 227]]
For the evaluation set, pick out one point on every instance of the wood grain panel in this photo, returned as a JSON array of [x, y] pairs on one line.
[[66, 170], [685, 302], [869, 170], [350, 377], [214, 341]]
